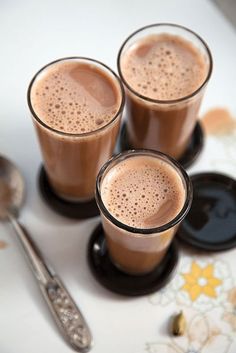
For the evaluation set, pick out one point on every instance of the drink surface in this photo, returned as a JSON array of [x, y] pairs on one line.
[[164, 67], [143, 192], [75, 97]]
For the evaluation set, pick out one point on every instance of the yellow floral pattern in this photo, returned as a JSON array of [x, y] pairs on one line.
[[201, 281]]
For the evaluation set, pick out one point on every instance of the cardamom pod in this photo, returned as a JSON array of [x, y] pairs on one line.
[[179, 325]]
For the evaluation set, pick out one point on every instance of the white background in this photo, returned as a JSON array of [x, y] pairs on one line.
[[33, 33]]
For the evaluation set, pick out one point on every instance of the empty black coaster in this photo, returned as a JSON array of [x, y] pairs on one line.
[[194, 148], [211, 222], [119, 282], [76, 210]]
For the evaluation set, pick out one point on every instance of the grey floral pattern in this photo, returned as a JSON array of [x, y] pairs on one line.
[[200, 338]]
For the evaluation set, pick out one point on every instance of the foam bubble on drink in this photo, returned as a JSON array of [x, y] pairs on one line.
[[75, 97], [164, 67], [143, 192]]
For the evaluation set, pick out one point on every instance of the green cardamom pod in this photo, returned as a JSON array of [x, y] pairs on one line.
[[179, 325]]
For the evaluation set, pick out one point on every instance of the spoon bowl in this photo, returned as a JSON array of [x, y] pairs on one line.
[[12, 189]]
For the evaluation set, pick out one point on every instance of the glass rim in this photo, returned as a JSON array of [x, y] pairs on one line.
[[37, 118], [147, 231], [168, 101]]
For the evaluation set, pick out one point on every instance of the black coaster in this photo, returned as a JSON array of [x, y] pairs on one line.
[[119, 282], [211, 222], [76, 210], [189, 157]]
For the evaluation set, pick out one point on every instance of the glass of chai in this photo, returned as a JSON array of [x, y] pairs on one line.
[[165, 69], [76, 104], [143, 195]]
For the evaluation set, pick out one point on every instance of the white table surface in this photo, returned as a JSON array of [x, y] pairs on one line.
[[33, 33]]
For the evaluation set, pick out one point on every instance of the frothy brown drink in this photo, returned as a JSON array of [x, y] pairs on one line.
[[162, 72], [164, 67], [142, 192], [75, 98], [77, 105]]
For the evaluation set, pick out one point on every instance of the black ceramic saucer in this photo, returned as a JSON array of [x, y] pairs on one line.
[[76, 210], [211, 222], [194, 148], [119, 282]]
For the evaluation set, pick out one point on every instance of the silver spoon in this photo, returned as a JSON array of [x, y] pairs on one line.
[[67, 316]]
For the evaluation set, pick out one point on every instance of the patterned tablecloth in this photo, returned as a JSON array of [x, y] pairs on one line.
[[204, 287]]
